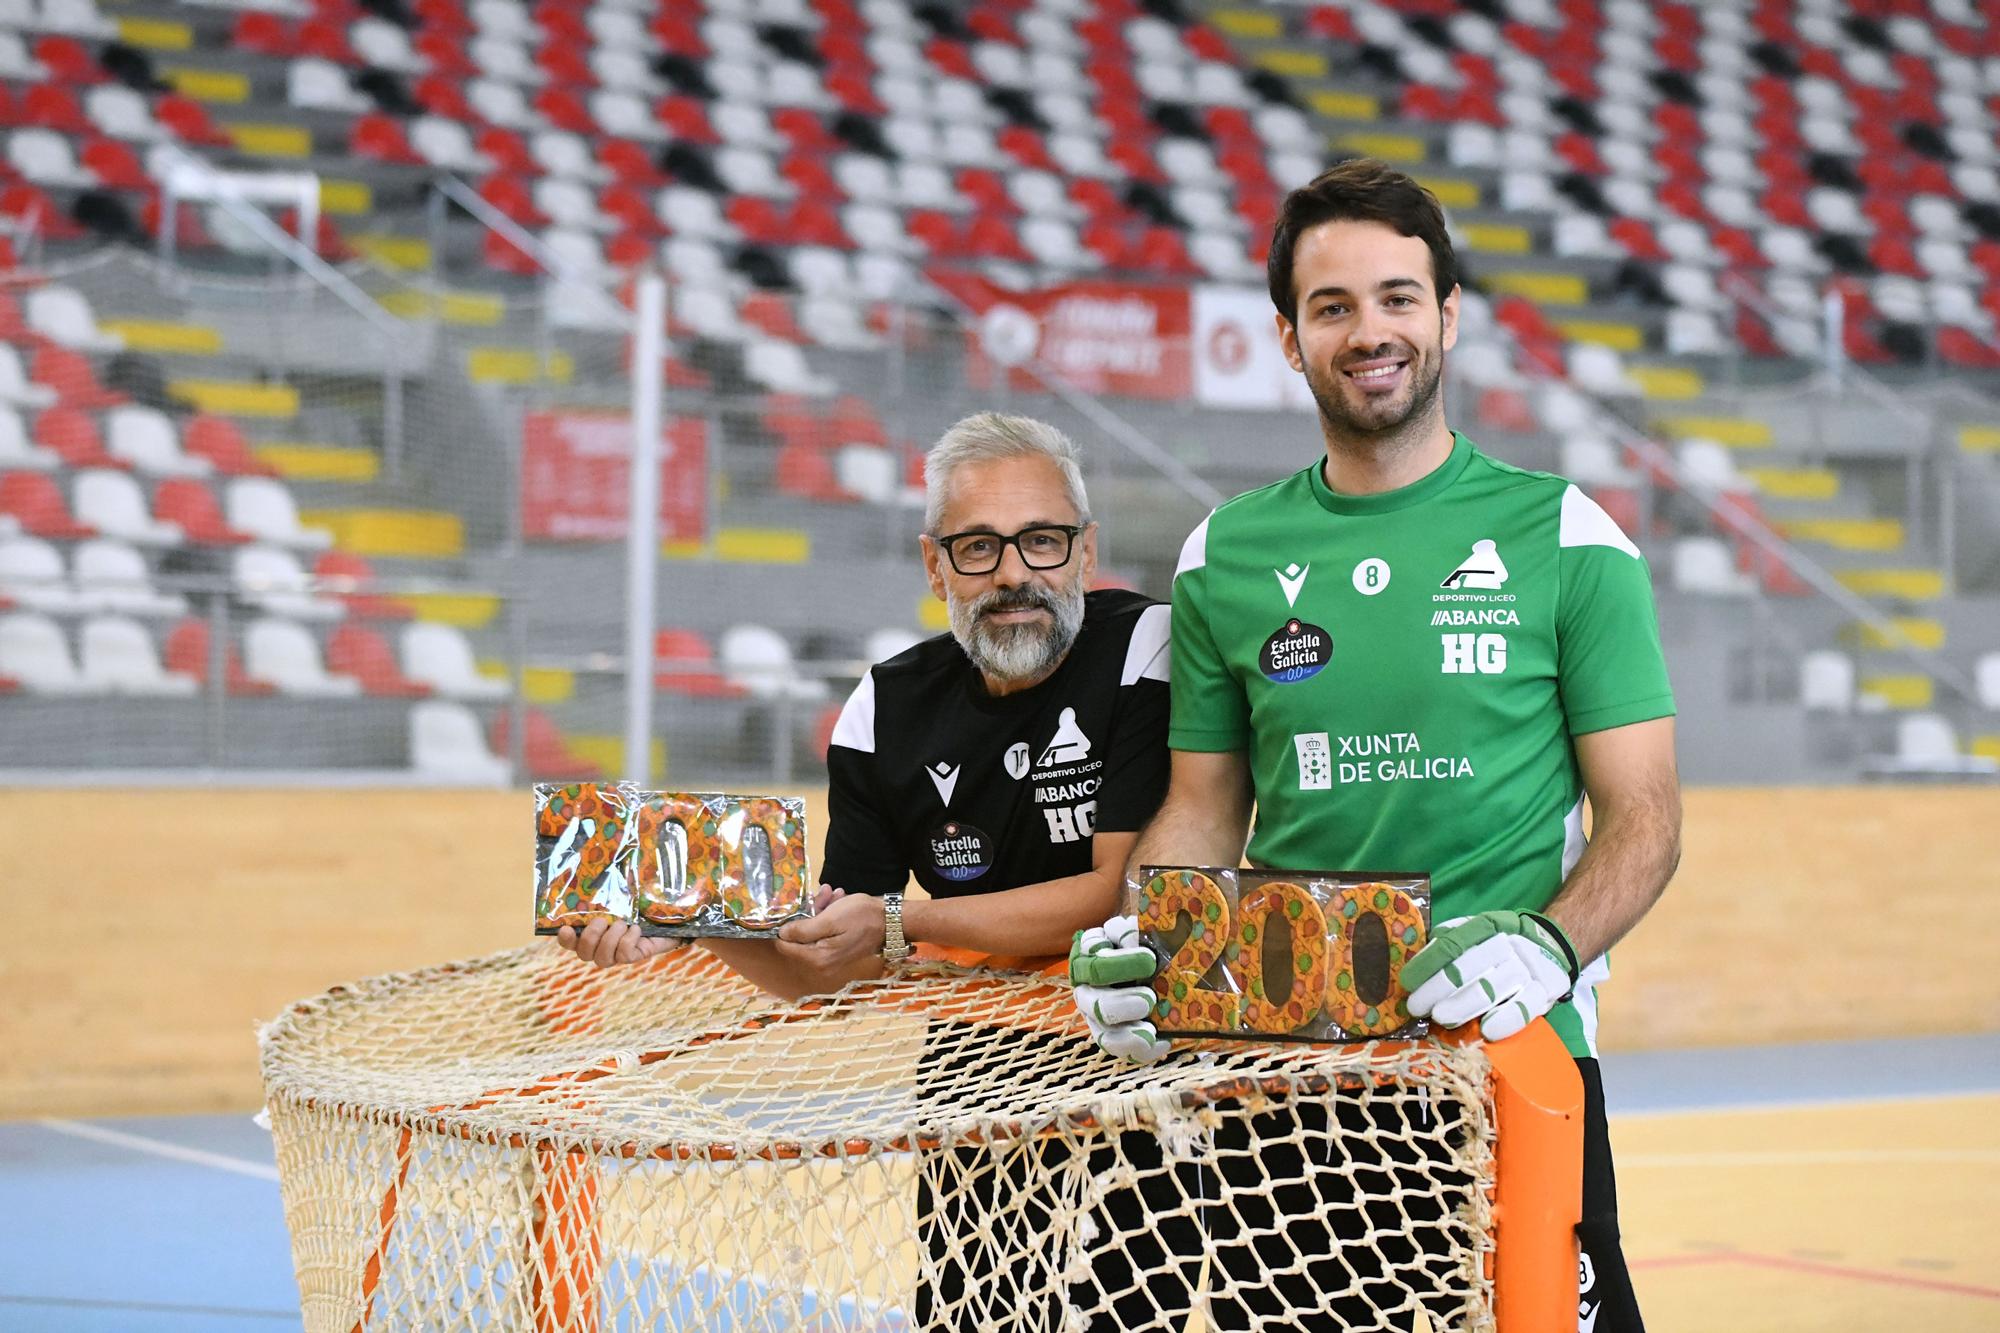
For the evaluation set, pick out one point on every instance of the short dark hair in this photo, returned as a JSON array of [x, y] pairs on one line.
[[1360, 189]]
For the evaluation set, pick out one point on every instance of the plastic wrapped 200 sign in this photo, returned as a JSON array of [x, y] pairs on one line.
[[678, 863]]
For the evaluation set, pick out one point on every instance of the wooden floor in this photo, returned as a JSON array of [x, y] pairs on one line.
[[153, 930]]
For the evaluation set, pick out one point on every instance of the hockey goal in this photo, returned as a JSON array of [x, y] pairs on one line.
[[523, 1142]]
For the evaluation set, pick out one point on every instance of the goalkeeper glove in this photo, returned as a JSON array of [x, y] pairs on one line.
[[1505, 969], [1109, 967]]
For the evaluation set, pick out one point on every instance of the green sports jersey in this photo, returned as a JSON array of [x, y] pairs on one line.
[[1406, 670]]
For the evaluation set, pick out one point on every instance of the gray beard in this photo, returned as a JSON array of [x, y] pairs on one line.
[[1024, 652]]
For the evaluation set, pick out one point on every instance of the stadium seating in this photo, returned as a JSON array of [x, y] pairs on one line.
[[119, 657], [446, 746]]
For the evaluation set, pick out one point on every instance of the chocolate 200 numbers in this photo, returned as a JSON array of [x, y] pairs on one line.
[[1300, 955]]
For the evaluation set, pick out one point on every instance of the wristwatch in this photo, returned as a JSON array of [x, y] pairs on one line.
[[894, 947]]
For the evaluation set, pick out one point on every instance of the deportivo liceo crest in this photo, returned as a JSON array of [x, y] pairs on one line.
[[1482, 569]]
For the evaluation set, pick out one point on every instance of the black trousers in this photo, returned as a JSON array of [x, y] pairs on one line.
[[1258, 1219]]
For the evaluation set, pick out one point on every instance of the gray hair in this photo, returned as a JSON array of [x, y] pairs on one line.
[[987, 436]]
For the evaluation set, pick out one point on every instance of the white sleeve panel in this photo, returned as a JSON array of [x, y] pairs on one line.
[[1584, 523], [1194, 551], [1150, 650], [856, 727]]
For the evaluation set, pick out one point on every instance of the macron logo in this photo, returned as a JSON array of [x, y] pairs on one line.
[[944, 777], [1292, 578]]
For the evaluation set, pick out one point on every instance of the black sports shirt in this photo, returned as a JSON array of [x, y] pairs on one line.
[[930, 775]]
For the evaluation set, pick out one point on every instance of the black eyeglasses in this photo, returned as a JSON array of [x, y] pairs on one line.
[[1046, 547]]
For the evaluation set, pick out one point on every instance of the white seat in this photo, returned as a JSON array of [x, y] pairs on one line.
[[263, 508], [119, 657], [759, 659], [820, 270], [504, 59], [1686, 241], [1529, 192], [113, 503], [1790, 249], [561, 153], [271, 578], [1705, 565], [1709, 464], [1001, 65], [740, 80], [1733, 206], [878, 228], [912, 139], [1944, 258], [927, 185], [145, 437], [619, 28], [502, 104], [571, 204], [1205, 209], [1935, 215], [1189, 162], [16, 63], [1063, 110], [78, 18], [731, 38], [504, 18], [1633, 198], [626, 116], [385, 45], [285, 655], [32, 574], [782, 368], [688, 211], [1836, 210], [1583, 236], [1562, 410], [1977, 181], [1218, 84], [865, 178], [887, 642], [1592, 460], [1156, 39], [1291, 170], [16, 451], [112, 576], [122, 113], [833, 322], [1047, 31], [1900, 298], [1222, 256], [440, 656], [313, 84], [577, 253], [869, 471], [1081, 154], [694, 262], [902, 88], [1054, 242], [15, 385], [1626, 157], [1161, 82], [448, 144], [752, 171], [956, 101], [1600, 370], [34, 652], [708, 312], [1986, 681], [746, 125], [1696, 333], [1285, 128], [791, 83], [886, 277], [1957, 304], [1926, 739], [625, 70], [44, 157]]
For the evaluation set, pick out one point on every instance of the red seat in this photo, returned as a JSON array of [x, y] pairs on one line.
[[73, 378], [354, 571], [855, 421], [190, 503], [854, 90], [1163, 250], [633, 210], [686, 118], [1621, 505], [811, 221], [53, 107], [38, 504], [566, 66], [263, 34], [994, 238], [32, 204], [563, 24], [987, 190], [187, 651], [1502, 408], [684, 663], [443, 95], [565, 109], [758, 219], [1026, 147], [69, 60], [503, 256], [772, 314], [1960, 347], [190, 228], [952, 57], [13, 325], [190, 121], [447, 54], [380, 138], [630, 163], [445, 16], [513, 198], [806, 470], [508, 150], [115, 164], [1638, 239], [1207, 43], [74, 436], [355, 650], [544, 749], [327, 39], [937, 230], [813, 177], [677, 31], [806, 130], [221, 442], [327, 242]]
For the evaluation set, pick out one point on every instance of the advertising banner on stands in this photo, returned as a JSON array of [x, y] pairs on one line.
[[574, 467], [1102, 337], [1237, 359]]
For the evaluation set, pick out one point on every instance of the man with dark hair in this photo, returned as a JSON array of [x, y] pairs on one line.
[[1491, 628]]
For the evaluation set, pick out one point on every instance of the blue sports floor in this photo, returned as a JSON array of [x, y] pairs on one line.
[[173, 1225]]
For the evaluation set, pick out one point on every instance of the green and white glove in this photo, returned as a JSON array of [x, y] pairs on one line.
[[1109, 966], [1505, 969]]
